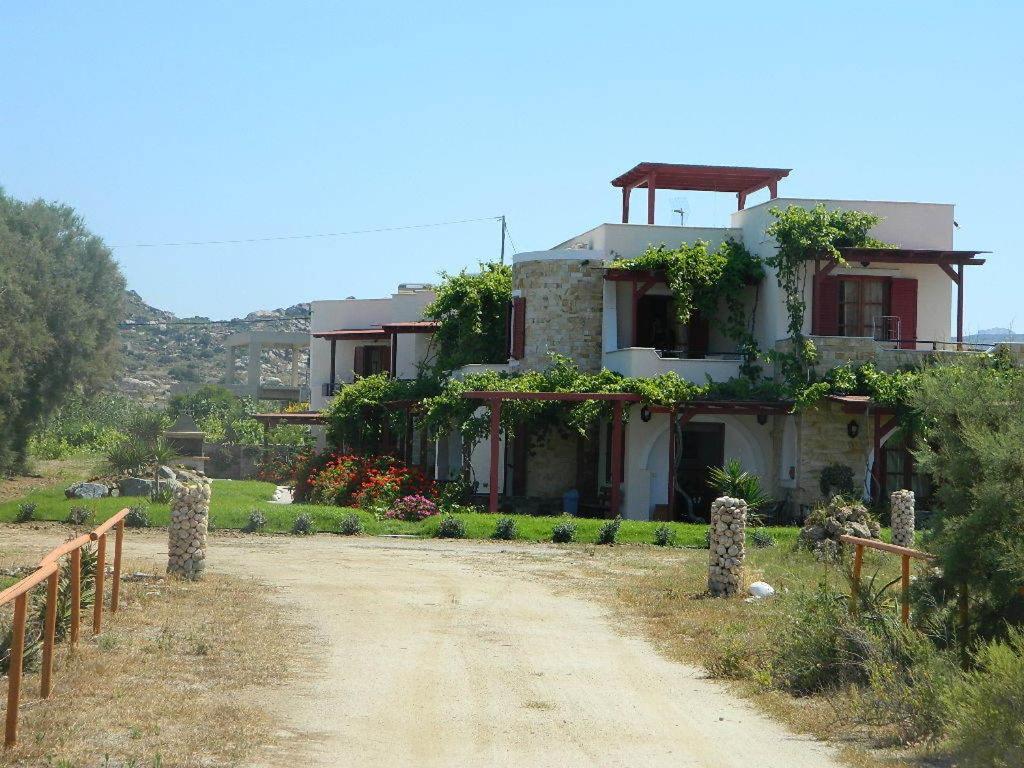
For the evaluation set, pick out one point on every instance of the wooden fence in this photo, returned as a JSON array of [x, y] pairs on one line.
[[906, 554], [49, 571]]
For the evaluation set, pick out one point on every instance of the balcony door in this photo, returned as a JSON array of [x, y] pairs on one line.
[[703, 447]]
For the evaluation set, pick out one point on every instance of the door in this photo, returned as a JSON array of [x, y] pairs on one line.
[[703, 447]]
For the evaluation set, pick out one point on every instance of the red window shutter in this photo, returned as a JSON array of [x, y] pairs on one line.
[[903, 304], [825, 318], [359, 363], [518, 328]]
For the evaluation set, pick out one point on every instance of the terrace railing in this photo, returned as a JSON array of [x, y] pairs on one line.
[[49, 571]]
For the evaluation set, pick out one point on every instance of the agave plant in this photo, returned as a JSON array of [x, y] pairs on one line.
[[732, 480]]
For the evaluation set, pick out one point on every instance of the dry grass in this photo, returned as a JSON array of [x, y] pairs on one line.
[[661, 594], [175, 679], [46, 472]]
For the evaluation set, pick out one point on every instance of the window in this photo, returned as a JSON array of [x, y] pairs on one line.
[[863, 305], [899, 471], [371, 360]]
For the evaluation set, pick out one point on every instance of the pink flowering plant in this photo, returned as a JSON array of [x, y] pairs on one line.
[[412, 508]]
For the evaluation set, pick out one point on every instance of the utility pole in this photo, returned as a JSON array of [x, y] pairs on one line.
[[503, 239]]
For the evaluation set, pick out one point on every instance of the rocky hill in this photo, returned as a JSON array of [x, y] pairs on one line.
[[164, 352]]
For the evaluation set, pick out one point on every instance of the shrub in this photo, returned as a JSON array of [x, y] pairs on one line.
[[303, 525], [762, 539], [609, 532], [505, 529], [26, 512], [731, 480], [257, 521], [664, 535], [564, 532], [707, 538], [364, 481], [836, 480], [137, 517], [350, 524], [987, 708], [78, 515], [451, 528], [412, 508]]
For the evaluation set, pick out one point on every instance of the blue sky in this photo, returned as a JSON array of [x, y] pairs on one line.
[[211, 121]]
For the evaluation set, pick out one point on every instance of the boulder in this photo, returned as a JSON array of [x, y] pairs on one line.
[[135, 486], [87, 491], [165, 472]]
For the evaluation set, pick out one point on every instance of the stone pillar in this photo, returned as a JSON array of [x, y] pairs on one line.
[[190, 517], [728, 542], [902, 506], [253, 370]]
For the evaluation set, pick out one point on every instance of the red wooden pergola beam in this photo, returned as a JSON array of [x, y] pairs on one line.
[[568, 397]]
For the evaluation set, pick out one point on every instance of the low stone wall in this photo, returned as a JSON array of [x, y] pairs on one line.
[[728, 546], [190, 518], [902, 506]]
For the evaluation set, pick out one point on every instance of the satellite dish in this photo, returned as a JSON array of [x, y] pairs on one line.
[[681, 207]]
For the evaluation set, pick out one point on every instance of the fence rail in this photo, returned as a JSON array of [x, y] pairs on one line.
[[906, 556], [49, 571]]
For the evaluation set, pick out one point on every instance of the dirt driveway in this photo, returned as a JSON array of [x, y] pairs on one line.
[[432, 653]]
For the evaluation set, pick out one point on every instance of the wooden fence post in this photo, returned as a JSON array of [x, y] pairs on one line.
[[115, 588], [97, 606], [76, 593], [49, 634], [858, 562], [14, 670], [905, 594]]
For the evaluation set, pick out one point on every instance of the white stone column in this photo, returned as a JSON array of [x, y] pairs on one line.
[[253, 370], [728, 542], [190, 517], [902, 506]]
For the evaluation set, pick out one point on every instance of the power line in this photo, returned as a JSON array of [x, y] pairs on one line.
[[515, 248], [277, 238]]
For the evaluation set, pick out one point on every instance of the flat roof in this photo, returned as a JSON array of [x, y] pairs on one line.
[[701, 178], [912, 256]]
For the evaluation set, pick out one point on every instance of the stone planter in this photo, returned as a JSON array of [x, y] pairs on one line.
[[190, 517], [728, 546]]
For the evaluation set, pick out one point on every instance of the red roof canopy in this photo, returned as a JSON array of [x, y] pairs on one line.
[[353, 334], [701, 178], [414, 326]]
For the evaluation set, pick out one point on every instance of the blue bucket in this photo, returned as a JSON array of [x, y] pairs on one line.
[[571, 502]]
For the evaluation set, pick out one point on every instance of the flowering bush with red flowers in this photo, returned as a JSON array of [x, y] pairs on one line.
[[281, 467], [365, 481], [412, 508]]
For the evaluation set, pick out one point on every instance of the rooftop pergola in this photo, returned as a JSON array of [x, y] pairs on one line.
[[949, 261], [678, 415], [742, 181]]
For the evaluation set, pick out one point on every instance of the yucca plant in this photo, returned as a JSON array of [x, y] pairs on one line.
[[732, 480]]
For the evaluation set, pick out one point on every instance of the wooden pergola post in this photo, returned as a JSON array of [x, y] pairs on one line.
[[334, 375], [495, 433], [959, 305], [651, 188], [616, 495]]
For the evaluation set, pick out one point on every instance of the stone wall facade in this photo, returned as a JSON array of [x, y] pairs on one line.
[[551, 469], [822, 439], [564, 300]]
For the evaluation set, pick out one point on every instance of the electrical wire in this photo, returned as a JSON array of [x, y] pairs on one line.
[[277, 238]]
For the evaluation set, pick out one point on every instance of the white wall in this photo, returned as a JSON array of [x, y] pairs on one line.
[[647, 456], [909, 225], [630, 240]]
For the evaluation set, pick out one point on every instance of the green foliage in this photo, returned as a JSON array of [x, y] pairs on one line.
[[137, 517], [79, 515], [60, 300], [564, 532], [609, 532], [361, 412], [84, 422], [451, 527], [226, 417], [988, 707], [701, 279], [350, 525], [505, 529], [303, 525], [972, 430], [836, 479], [257, 521], [472, 311], [26, 512], [732, 480], [762, 539], [664, 536], [803, 234]]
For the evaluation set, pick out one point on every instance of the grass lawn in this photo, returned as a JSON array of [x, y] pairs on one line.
[[233, 500]]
